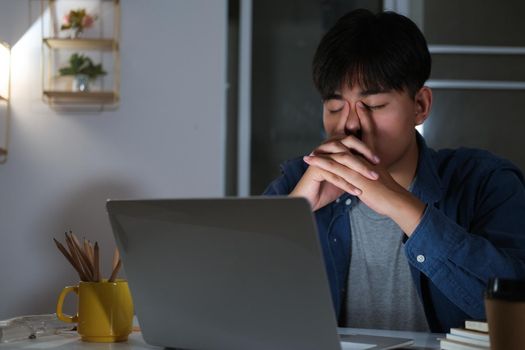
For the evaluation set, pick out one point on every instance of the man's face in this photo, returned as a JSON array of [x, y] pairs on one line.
[[393, 116]]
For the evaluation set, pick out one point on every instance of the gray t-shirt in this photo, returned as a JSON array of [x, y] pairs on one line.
[[381, 291]]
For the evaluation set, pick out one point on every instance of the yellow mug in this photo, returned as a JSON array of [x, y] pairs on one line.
[[105, 310]]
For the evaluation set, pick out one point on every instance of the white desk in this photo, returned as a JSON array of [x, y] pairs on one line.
[[135, 342], [71, 341], [421, 340]]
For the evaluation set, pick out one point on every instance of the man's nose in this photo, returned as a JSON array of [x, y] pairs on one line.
[[352, 125]]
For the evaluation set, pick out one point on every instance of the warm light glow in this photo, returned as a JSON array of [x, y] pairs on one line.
[[4, 70]]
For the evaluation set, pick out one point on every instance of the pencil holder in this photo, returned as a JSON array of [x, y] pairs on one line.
[[105, 310]]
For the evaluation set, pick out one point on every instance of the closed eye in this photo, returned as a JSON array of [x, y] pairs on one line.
[[374, 108], [334, 105], [336, 110]]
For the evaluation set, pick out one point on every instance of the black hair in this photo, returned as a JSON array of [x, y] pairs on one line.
[[379, 52]]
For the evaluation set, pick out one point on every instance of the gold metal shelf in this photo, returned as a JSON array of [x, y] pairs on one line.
[[81, 44], [55, 50], [88, 97]]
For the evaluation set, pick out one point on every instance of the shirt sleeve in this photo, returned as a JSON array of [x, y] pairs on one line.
[[459, 259], [291, 172], [279, 186]]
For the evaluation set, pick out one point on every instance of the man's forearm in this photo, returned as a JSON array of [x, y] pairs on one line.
[[406, 210]]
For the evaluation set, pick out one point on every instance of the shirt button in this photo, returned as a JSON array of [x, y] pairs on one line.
[[348, 201], [337, 200], [420, 258], [335, 240]]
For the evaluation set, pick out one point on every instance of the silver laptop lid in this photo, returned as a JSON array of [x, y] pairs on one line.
[[226, 273]]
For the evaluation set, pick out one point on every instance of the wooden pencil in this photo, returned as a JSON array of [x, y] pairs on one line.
[[91, 251], [76, 258], [64, 251], [87, 251], [115, 271], [97, 264], [85, 257], [116, 258], [84, 260]]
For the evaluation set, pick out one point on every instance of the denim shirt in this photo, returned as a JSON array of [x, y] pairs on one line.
[[473, 228]]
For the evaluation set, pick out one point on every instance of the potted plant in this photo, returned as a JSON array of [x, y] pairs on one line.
[[83, 70], [77, 21]]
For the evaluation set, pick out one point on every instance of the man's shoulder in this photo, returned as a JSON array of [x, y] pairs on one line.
[[473, 167], [464, 158]]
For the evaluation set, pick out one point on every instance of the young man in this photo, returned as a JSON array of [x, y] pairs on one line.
[[410, 236]]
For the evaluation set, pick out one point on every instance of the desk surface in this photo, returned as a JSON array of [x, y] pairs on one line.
[[421, 340], [71, 341]]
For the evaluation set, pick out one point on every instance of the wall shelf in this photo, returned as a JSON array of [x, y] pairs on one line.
[[88, 97], [81, 44], [99, 43]]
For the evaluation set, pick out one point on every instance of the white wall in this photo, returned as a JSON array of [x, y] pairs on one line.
[[165, 140]]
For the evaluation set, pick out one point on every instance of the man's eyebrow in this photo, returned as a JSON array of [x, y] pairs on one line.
[[364, 93], [373, 92]]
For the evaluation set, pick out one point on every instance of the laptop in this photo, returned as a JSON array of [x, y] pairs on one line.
[[230, 273]]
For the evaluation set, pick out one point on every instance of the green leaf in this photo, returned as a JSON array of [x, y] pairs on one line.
[[81, 64]]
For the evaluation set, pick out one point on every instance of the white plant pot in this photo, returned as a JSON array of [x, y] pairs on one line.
[[80, 83]]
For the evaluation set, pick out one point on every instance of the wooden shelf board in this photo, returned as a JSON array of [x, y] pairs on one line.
[[81, 44], [95, 97]]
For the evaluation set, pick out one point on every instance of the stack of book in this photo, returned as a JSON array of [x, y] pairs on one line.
[[475, 336]]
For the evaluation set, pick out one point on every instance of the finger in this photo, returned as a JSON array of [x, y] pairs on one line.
[[337, 181], [341, 164], [333, 145], [366, 125], [326, 163], [353, 143], [356, 163]]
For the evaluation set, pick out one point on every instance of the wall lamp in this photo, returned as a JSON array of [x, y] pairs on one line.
[[5, 77]]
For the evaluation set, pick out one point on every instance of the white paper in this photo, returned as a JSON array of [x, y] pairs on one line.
[[345, 345]]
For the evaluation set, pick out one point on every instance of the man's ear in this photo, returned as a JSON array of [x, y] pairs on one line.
[[423, 100]]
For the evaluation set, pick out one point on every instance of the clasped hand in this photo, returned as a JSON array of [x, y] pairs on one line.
[[350, 164]]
